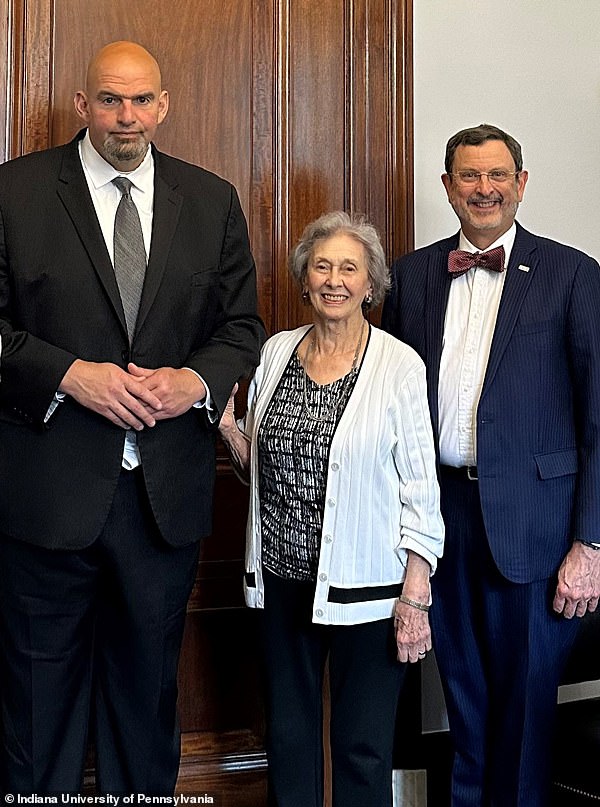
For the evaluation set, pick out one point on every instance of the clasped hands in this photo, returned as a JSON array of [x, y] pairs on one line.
[[132, 398]]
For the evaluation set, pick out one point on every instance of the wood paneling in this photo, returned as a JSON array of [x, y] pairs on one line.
[[4, 83], [11, 75], [306, 106]]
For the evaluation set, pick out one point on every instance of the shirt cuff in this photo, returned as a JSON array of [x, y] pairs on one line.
[[207, 402], [59, 397]]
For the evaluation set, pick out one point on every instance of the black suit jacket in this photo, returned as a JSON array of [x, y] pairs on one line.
[[59, 301]]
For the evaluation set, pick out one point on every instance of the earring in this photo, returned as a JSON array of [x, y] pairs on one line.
[[305, 297], [368, 299]]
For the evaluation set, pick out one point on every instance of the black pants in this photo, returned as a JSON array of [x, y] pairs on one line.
[[365, 680], [97, 630]]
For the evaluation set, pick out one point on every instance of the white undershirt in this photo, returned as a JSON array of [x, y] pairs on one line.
[[469, 326]]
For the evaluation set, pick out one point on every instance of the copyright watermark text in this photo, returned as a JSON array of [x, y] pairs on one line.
[[179, 800]]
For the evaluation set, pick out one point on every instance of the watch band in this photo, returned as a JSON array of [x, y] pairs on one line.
[[591, 544]]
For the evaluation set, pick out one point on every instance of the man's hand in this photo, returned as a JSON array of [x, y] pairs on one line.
[[177, 390], [111, 392], [578, 586]]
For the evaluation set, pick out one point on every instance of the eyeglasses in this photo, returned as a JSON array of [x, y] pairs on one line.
[[496, 177]]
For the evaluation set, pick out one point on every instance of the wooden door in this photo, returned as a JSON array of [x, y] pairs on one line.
[[305, 105]]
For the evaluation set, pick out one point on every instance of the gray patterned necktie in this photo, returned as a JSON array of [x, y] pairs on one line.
[[129, 254]]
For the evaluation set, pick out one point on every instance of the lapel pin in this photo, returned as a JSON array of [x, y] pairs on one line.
[[523, 268]]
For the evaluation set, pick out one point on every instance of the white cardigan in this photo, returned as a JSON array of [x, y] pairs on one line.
[[382, 495]]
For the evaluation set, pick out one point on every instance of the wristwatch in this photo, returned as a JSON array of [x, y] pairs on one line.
[[591, 544]]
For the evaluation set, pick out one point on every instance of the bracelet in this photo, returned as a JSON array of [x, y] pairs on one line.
[[588, 543], [415, 604]]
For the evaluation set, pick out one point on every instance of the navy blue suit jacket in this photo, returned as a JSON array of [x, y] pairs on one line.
[[538, 420]]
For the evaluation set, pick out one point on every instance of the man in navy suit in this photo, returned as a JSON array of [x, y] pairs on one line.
[[108, 417], [508, 326]]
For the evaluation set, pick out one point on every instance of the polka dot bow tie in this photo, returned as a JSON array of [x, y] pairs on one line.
[[460, 262]]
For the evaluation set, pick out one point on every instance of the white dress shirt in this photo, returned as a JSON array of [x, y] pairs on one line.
[[106, 196], [469, 326]]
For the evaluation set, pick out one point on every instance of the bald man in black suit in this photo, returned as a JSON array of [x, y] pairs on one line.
[[107, 464]]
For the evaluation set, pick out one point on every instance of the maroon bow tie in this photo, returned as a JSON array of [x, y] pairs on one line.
[[460, 262]]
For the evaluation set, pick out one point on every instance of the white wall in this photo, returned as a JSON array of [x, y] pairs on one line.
[[531, 67]]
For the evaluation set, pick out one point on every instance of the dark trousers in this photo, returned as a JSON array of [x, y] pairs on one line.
[[365, 680], [501, 650], [96, 631]]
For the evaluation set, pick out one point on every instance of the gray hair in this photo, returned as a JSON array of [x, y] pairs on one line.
[[477, 135], [357, 227]]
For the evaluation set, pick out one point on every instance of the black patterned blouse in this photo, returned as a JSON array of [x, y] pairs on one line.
[[293, 449]]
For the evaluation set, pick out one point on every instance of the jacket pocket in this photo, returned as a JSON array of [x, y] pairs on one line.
[[206, 277], [556, 463]]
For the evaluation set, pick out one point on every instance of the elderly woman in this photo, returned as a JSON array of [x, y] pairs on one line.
[[344, 528]]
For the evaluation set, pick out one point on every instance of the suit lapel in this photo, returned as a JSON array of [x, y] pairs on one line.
[[74, 193], [438, 289], [167, 207], [516, 284]]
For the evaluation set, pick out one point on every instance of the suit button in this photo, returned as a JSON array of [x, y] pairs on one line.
[[125, 355]]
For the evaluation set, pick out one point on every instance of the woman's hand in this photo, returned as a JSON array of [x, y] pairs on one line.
[[235, 441], [227, 422], [411, 620], [413, 634]]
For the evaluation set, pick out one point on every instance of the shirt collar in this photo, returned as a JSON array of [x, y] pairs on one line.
[[102, 172], [506, 240]]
